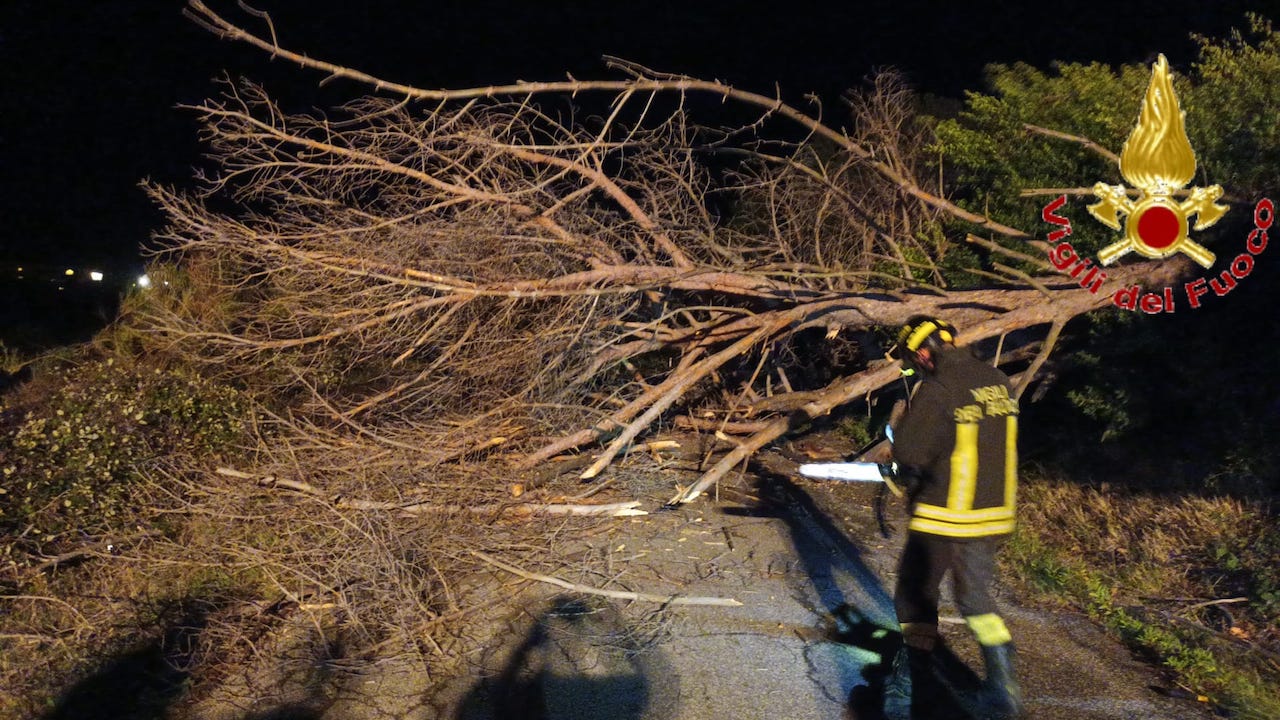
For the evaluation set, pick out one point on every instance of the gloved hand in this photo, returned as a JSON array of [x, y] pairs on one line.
[[909, 480]]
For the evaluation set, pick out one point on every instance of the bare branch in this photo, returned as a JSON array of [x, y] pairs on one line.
[[616, 594], [624, 509], [1029, 374], [647, 83], [1081, 141]]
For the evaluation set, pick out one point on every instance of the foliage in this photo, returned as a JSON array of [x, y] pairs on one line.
[[988, 154], [857, 429], [1231, 97], [68, 462], [992, 159], [1232, 110], [1180, 402]]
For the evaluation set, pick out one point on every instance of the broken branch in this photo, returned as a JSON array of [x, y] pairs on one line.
[[615, 594]]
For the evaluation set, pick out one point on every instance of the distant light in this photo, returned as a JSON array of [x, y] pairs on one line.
[[95, 276], [19, 269], [144, 281], [69, 272]]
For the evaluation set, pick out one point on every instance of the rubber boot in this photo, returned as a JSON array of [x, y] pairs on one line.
[[909, 672], [1001, 695]]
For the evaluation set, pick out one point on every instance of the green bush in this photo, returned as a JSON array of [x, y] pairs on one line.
[[68, 462]]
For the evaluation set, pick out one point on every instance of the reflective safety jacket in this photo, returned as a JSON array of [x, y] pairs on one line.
[[960, 434]]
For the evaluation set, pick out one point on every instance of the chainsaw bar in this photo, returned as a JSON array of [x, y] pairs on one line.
[[847, 471]]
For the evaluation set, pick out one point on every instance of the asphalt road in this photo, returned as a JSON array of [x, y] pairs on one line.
[[808, 563], [813, 573]]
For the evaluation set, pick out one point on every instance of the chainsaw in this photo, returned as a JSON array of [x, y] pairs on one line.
[[856, 471], [868, 472]]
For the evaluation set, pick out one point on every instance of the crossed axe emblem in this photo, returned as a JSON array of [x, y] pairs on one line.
[[1156, 224], [1157, 159]]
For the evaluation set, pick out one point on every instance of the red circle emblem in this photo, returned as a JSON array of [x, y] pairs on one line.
[[1158, 227]]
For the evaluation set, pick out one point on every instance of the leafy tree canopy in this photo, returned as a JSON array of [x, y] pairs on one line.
[[994, 157], [1129, 374]]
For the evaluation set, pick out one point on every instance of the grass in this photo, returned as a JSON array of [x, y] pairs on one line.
[[1187, 581]]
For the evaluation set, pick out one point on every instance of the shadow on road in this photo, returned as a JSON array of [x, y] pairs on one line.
[[863, 622], [151, 681], [579, 661], [141, 683]]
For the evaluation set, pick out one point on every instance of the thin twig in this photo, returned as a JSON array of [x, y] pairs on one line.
[[1207, 603], [622, 509], [1030, 373], [1019, 275], [616, 594], [998, 248]]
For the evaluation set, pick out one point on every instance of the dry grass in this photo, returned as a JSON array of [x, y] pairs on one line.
[[210, 570], [192, 572], [1189, 580]]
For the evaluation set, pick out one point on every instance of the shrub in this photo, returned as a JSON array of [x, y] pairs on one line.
[[68, 461]]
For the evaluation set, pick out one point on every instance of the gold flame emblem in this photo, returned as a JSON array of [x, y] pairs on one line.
[[1158, 160]]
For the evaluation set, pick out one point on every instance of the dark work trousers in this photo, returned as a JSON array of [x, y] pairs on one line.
[[926, 558]]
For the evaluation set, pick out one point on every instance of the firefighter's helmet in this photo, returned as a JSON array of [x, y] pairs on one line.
[[923, 333]]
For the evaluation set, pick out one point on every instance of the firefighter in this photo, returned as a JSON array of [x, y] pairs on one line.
[[956, 448]]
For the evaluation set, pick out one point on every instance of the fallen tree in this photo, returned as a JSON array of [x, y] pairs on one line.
[[445, 307], [491, 274]]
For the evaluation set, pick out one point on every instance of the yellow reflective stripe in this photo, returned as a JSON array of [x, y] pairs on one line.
[[964, 467], [936, 512], [989, 629], [939, 527], [917, 337], [1010, 460]]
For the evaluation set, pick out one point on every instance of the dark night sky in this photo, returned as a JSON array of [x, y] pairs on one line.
[[88, 87]]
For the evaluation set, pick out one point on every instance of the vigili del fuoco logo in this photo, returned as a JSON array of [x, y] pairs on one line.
[[1157, 160]]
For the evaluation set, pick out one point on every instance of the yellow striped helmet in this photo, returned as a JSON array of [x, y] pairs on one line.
[[923, 332]]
